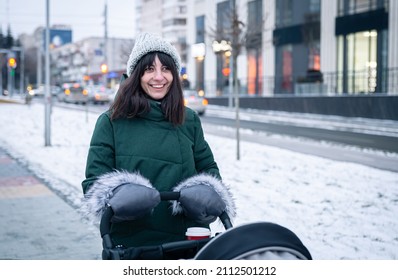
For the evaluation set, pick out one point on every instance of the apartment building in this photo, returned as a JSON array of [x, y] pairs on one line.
[[167, 18], [82, 60]]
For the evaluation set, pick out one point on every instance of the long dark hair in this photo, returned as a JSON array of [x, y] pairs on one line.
[[132, 101]]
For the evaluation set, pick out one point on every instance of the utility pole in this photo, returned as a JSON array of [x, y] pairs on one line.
[[5, 52], [105, 44], [39, 71], [47, 96]]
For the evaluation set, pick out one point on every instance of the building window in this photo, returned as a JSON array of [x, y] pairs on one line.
[[284, 69], [224, 21], [199, 61], [253, 46], [223, 32], [175, 22], [349, 7], [315, 6], [358, 62], [284, 13], [200, 29]]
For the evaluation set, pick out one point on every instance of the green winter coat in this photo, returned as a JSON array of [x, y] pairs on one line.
[[162, 153]]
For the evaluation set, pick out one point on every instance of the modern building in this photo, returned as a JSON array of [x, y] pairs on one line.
[[302, 47]]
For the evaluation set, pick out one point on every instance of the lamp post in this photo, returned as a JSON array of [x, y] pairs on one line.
[[47, 96]]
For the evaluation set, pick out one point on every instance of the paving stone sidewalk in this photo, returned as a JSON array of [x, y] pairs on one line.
[[36, 224]]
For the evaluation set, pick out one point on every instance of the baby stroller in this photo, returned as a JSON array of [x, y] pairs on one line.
[[260, 240]]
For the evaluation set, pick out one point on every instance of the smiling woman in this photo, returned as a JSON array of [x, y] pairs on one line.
[[157, 78], [147, 143]]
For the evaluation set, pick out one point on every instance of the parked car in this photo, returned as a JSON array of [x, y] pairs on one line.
[[99, 94], [194, 101], [73, 93], [40, 91]]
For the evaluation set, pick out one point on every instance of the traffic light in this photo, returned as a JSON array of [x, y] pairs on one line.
[[104, 68], [12, 62]]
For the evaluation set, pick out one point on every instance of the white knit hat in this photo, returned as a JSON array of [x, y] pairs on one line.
[[146, 43]]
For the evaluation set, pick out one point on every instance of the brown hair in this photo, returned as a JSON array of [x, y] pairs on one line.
[[131, 100]]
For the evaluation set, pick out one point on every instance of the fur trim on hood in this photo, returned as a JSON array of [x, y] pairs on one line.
[[211, 181], [102, 190]]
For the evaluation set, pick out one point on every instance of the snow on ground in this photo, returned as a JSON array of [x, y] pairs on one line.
[[339, 210]]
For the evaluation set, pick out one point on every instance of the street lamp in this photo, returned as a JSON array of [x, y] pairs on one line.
[[104, 68]]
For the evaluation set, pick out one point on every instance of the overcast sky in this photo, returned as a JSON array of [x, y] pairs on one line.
[[84, 16]]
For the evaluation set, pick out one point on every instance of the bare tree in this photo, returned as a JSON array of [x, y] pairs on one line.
[[235, 32]]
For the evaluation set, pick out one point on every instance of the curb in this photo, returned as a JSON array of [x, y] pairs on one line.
[[12, 101]]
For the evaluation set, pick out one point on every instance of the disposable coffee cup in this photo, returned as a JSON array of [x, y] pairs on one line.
[[197, 233]]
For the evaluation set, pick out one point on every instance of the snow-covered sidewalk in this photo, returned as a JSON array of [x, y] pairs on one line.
[[339, 210]]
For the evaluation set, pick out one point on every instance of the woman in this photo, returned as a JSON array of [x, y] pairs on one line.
[[148, 142]]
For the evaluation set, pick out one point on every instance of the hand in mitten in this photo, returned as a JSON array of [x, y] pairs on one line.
[[201, 203], [133, 201], [203, 198], [130, 195]]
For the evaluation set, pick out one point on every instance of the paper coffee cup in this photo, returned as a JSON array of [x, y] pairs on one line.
[[196, 233]]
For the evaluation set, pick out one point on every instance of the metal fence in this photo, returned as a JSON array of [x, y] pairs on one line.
[[364, 82]]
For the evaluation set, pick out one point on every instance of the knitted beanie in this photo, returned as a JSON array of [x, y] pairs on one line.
[[146, 43]]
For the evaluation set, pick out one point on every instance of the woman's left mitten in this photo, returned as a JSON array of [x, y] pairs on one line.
[[201, 203]]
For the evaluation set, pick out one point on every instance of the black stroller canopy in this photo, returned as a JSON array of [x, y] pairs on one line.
[[251, 240]]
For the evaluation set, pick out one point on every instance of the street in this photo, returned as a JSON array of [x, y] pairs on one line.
[[364, 141]]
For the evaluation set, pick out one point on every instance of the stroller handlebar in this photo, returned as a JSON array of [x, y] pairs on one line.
[[226, 221], [169, 195], [105, 224]]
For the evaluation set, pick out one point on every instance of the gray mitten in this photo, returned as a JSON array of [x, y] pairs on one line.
[[130, 195], [132, 201], [203, 198], [201, 203]]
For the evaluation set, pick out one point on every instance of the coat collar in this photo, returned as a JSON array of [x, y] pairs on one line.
[[156, 113]]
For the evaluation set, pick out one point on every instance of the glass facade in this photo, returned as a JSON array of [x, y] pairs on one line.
[[362, 41], [253, 47], [297, 46], [359, 66]]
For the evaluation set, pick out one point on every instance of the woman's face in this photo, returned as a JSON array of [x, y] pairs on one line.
[[157, 80]]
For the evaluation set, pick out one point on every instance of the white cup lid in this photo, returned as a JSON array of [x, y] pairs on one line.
[[198, 231]]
